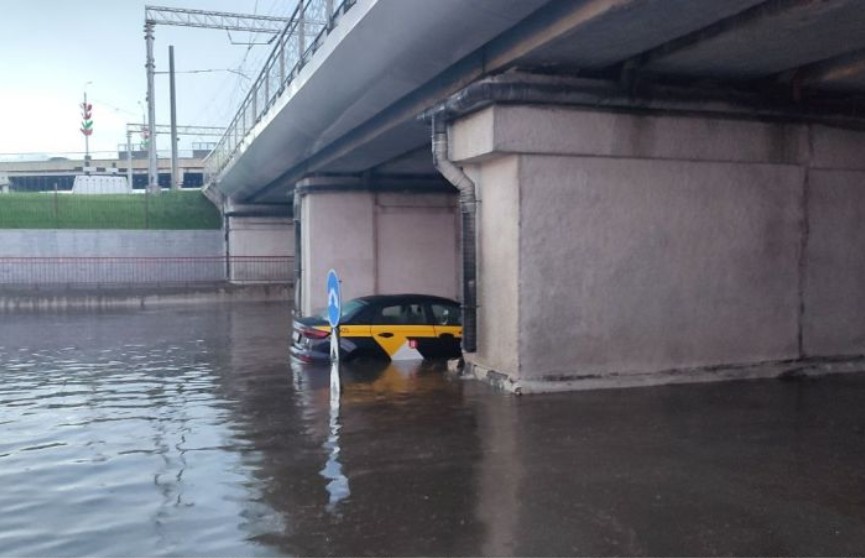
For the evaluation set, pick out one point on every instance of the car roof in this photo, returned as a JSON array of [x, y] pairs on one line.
[[404, 299]]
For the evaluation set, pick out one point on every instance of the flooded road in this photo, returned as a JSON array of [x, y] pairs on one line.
[[185, 432]]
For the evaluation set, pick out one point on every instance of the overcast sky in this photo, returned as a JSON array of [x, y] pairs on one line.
[[51, 49]]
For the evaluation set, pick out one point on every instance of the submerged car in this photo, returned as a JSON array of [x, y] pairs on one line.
[[396, 327]]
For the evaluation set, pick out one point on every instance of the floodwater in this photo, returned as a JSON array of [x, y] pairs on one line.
[[184, 432]]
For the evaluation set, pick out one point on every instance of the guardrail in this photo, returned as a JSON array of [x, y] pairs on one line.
[[310, 23], [122, 272]]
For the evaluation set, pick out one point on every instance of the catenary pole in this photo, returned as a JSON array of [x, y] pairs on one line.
[[175, 178], [152, 170]]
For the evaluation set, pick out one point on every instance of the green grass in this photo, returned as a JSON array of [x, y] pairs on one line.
[[168, 210]]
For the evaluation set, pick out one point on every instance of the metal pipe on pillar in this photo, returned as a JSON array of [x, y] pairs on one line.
[[175, 178], [468, 207], [298, 254]]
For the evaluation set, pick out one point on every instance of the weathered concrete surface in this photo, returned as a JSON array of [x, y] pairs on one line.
[[256, 238], [656, 249], [59, 300], [568, 132], [77, 256], [499, 257], [651, 265], [379, 243], [834, 297], [59, 243]]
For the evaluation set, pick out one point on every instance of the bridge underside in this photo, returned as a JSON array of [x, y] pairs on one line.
[[350, 114], [669, 190]]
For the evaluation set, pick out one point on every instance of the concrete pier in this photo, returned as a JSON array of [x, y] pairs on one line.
[[380, 243], [624, 249], [252, 239]]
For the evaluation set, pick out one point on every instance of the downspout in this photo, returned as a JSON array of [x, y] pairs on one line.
[[468, 210], [298, 256]]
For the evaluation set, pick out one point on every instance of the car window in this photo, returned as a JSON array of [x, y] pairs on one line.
[[349, 310], [400, 314], [445, 314]]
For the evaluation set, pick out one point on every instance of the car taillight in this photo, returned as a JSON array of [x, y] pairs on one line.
[[312, 333]]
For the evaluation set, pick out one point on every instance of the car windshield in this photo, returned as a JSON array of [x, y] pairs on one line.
[[349, 309]]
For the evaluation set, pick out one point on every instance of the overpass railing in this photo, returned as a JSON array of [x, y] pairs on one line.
[[305, 32]]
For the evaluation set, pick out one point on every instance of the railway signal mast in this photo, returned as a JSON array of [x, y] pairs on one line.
[[86, 128]]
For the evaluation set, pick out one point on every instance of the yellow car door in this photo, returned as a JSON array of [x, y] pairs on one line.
[[402, 330]]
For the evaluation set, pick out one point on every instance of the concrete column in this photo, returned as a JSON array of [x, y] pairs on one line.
[[379, 243], [260, 249], [619, 249]]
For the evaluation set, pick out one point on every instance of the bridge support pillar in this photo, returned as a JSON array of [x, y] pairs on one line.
[[260, 246], [620, 249], [379, 240]]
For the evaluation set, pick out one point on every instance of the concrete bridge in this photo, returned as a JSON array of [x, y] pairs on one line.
[[621, 192]]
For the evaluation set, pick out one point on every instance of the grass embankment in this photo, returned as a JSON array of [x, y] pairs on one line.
[[168, 210]]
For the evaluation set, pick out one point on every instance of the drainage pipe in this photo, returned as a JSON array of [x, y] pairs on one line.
[[468, 210], [298, 256]]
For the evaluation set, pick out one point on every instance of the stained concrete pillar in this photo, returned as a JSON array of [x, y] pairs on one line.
[[620, 249], [380, 241]]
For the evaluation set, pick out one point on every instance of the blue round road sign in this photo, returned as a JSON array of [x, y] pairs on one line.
[[334, 299]]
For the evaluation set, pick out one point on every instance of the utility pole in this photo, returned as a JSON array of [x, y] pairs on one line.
[[175, 179], [129, 156], [152, 169]]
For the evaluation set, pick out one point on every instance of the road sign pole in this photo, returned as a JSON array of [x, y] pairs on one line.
[[334, 316], [334, 344], [334, 313]]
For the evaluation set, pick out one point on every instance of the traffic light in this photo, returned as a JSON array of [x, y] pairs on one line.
[[86, 118]]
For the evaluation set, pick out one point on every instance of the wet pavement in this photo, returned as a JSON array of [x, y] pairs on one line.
[[187, 432]]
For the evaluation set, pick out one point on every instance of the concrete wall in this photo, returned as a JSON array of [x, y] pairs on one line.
[[650, 244], [499, 259], [378, 243], [79, 250], [652, 265], [53, 243], [259, 247]]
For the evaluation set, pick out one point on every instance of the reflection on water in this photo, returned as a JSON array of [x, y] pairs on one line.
[[338, 485], [188, 432]]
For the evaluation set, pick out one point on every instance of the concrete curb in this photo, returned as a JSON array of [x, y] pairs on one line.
[[782, 370]]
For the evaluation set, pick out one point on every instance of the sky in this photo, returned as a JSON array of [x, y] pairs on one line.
[[52, 51]]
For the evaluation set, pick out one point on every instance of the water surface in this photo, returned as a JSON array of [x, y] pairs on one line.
[[187, 432]]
